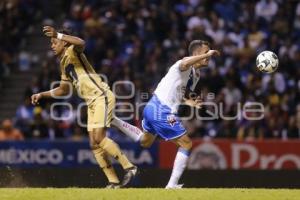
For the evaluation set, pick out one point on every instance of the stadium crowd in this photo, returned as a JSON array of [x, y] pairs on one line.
[[138, 40], [15, 20]]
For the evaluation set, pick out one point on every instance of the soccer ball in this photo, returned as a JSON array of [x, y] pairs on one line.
[[267, 62]]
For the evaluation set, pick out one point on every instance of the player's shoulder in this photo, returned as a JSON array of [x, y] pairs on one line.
[[73, 51], [70, 50], [68, 56], [178, 62], [175, 66]]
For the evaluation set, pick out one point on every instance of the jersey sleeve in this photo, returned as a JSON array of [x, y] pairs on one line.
[[177, 65]]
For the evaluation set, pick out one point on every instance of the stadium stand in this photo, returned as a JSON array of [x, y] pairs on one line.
[[139, 40]]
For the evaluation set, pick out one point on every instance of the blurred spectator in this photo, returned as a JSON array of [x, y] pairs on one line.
[[256, 36], [266, 9], [231, 95], [78, 134], [39, 127], [33, 88], [16, 21], [24, 116], [227, 10], [250, 132], [8, 132], [24, 61]]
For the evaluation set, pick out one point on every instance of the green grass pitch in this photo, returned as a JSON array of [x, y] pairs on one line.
[[147, 194]]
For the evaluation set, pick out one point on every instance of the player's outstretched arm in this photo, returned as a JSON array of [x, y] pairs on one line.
[[76, 41], [62, 90], [187, 62]]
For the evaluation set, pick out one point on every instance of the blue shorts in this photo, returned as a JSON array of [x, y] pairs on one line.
[[159, 120]]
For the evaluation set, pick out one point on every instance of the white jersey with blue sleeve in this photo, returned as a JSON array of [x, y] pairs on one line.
[[160, 113]]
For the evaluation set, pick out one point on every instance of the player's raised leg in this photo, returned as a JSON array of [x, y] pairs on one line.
[[181, 159], [129, 130], [145, 138]]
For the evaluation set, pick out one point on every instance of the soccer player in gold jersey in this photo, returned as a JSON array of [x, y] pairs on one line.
[[76, 69]]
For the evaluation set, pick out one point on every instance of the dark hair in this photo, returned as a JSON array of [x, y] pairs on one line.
[[65, 30], [195, 44]]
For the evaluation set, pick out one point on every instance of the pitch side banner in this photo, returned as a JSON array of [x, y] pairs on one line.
[[226, 154], [67, 154]]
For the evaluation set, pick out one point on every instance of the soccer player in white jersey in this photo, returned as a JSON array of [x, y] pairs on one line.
[[160, 113]]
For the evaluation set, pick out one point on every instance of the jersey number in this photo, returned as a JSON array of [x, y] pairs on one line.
[[71, 73]]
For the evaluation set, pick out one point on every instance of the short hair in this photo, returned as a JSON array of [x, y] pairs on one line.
[[195, 44], [65, 30]]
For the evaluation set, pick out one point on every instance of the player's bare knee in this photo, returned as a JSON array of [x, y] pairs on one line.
[[185, 143], [145, 144], [188, 144]]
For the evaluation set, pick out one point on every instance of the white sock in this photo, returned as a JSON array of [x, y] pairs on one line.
[[131, 131], [179, 166]]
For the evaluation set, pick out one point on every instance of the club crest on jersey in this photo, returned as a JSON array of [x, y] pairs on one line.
[[171, 120]]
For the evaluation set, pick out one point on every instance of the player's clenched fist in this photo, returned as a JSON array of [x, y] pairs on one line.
[[50, 31], [213, 52], [35, 98]]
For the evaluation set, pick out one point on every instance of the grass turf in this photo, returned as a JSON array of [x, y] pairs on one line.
[[147, 194]]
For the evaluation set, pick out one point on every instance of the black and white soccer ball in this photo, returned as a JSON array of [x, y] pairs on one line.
[[267, 61]]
